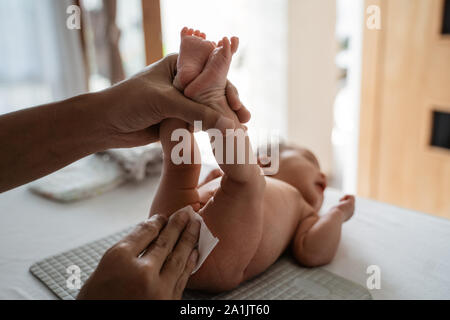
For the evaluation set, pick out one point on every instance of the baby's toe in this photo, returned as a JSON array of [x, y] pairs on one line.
[[184, 31], [234, 44], [226, 47], [225, 43]]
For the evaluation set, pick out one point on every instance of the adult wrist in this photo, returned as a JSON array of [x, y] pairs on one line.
[[91, 110]]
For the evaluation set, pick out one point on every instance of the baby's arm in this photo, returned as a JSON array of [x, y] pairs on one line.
[[317, 238]]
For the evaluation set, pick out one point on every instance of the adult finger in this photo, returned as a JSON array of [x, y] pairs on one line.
[[176, 262], [235, 103], [191, 111], [159, 250], [145, 232], [167, 66], [183, 279], [243, 115], [233, 96]]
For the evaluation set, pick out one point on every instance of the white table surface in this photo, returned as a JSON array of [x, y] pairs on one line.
[[411, 249]]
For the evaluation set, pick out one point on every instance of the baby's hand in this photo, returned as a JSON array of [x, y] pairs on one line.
[[346, 206]]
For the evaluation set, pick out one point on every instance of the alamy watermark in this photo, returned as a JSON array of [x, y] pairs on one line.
[[231, 148], [73, 22], [73, 282], [373, 21], [374, 279]]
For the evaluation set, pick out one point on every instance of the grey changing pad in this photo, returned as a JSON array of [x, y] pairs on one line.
[[283, 280]]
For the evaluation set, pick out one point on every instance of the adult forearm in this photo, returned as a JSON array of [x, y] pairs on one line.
[[37, 141]]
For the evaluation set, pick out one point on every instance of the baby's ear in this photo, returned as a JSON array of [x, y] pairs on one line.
[[348, 197]]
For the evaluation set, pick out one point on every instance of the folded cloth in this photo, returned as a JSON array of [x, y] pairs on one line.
[[99, 173], [206, 242], [85, 178], [138, 162]]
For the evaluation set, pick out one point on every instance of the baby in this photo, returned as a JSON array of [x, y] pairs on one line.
[[256, 218]]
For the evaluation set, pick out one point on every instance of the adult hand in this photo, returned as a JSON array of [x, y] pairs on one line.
[[148, 263], [134, 108], [40, 140]]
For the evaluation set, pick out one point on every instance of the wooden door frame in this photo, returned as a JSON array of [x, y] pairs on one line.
[[151, 21], [371, 77], [373, 59]]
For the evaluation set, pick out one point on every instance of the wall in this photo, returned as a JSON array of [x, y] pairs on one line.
[[312, 76]]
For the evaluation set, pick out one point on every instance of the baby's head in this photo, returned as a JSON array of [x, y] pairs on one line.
[[300, 168]]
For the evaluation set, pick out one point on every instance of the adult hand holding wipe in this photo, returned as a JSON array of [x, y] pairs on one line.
[[206, 241]]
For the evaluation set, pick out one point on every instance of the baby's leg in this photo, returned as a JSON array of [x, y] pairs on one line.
[[317, 238], [235, 215], [178, 186]]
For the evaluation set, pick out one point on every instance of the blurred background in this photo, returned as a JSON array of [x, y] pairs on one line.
[[364, 84]]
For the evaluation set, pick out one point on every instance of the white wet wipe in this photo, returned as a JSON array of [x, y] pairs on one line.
[[206, 242]]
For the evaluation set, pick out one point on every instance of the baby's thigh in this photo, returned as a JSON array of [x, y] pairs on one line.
[[208, 190], [218, 273], [225, 267]]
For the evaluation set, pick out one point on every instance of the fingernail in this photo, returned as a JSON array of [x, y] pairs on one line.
[[157, 217], [154, 217], [194, 227], [224, 123], [237, 106], [183, 216], [194, 256]]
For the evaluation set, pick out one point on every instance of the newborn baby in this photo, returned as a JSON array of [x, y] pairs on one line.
[[256, 218]]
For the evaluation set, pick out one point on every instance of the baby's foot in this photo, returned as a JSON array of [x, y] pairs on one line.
[[194, 52], [209, 86], [346, 206]]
